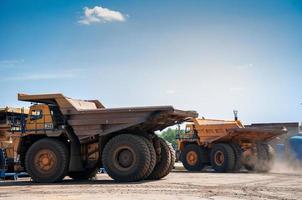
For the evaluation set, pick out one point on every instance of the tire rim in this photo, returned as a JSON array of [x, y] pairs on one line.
[[124, 158], [192, 158], [45, 161], [219, 158]]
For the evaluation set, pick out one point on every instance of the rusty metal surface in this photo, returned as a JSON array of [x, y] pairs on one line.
[[249, 135], [257, 134], [90, 117]]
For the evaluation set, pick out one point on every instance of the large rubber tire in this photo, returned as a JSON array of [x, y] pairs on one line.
[[126, 158], [192, 158], [162, 167], [173, 158], [47, 160], [152, 157], [265, 157], [222, 158], [84, 175], [238, 154]]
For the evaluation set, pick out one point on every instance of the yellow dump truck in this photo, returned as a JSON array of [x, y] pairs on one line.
[[226, 145], [68, 137], [9, 141]]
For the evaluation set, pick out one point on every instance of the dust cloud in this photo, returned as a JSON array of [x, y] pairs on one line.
[[287, 167]]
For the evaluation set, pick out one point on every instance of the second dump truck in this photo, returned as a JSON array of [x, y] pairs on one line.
[[67, 137], [8, 141], [226, 145]]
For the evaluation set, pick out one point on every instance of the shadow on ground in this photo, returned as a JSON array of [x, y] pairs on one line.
[[69, 182]]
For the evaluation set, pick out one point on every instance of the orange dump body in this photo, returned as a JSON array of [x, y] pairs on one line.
[[208, 131]]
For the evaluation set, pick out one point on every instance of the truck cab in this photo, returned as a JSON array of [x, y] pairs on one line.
[[39, 118], [43, 118]]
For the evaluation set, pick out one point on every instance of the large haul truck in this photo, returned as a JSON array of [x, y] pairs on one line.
[[67, 137], [9, 142], [227, 146]]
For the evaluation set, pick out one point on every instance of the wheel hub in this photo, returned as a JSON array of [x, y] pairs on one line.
[[192, 157], [219, 158], [45, 160], [125, 158]]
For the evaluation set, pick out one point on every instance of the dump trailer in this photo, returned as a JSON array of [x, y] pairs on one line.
[[67, 137], [227, 146]]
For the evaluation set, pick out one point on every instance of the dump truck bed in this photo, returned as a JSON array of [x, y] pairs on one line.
[[253, 134], [210, 130], [90, 117]]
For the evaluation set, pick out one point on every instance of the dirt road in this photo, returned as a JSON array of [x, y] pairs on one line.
[[178, 185]]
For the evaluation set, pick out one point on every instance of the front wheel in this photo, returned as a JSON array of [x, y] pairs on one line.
[[46, 161], [192, 158]]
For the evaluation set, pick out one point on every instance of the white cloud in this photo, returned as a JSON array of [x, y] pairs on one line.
[[99, 14]]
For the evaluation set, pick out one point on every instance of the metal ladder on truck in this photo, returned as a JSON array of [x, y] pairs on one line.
[[3, 166]]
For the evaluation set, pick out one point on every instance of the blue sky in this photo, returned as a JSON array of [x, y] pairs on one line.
[[210, 56]]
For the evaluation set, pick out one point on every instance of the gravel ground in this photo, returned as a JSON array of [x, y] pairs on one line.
[[179, 184]]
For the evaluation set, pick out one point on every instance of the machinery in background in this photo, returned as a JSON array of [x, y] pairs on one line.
[[10, 122], [295, 147], [290, 151], [226, 145]]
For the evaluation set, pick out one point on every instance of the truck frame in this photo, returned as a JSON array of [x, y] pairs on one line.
[[67, 137]]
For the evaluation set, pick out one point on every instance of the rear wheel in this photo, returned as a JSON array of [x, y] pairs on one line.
[[222, 157], [126, 157], [265, 157], [46, 161], [152, 157], [260, 159], [238, 153], [173, 158], [192, 158], [162, 167]]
